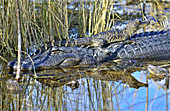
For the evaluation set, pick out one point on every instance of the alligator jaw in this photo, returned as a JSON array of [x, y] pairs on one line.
[[55, 57]]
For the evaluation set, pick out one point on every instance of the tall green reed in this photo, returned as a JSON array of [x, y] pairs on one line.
[[44, 21]]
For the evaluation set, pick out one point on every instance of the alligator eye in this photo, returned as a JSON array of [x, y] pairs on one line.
[[55, 49], [58, 49]]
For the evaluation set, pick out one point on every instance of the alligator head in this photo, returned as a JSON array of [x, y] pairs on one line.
[[135, 25], [55, 57]]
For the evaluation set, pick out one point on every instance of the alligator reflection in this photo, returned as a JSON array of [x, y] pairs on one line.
[[97, 85], [109, 80], [61, 78], [107, 72]]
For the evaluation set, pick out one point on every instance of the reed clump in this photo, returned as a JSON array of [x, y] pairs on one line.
[[43, 21]]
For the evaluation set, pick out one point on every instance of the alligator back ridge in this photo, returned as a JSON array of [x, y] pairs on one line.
[[148, 47]]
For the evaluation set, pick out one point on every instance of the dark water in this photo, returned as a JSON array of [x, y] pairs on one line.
[[104, 87]]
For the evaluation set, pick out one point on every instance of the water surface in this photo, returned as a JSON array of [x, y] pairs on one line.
[[104, 87]]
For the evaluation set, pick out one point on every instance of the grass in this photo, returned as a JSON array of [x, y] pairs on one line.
[[43, 21], [46, 21]]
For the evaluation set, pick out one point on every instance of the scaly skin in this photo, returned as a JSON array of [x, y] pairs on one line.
[[151, 46], [101, 38], [71, 76]]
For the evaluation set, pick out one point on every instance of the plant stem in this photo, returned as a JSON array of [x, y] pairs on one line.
[[19, 40]]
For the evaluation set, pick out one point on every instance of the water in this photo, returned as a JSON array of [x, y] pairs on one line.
[[99, 88]]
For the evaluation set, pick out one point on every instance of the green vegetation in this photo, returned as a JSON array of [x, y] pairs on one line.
[[43, 21]]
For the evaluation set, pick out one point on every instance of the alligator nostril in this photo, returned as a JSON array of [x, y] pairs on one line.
[[15, 66], [12, 63], [24, 62]]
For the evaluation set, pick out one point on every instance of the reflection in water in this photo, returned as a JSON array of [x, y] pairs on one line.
[[109, 87], [13, 86], [61, 78], [73, 85], [101, 88]]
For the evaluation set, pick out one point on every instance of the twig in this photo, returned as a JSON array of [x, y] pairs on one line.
[[19, 40], [3, 59], [32, 63]]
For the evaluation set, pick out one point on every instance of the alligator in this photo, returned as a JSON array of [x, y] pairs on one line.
[[71, 76], [60, 78], [101, 38], [142, 47]]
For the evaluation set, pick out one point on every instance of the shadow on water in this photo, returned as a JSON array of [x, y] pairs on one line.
[[107, 87]]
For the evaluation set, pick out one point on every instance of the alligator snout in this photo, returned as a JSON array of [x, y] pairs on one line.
[[53, 57]]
